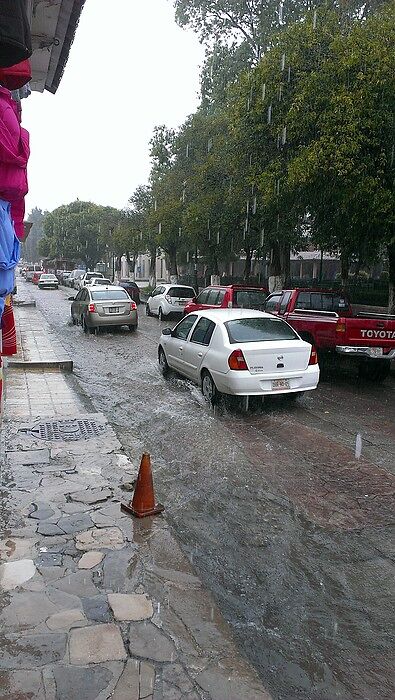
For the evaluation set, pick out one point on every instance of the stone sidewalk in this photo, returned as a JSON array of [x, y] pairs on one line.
[[94, 604]]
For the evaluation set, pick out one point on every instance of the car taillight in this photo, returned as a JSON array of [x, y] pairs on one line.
[[236, 360], [92, 308], [133, 306], [341, 325], [313, 356]]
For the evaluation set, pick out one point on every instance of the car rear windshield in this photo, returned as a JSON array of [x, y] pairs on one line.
[[102, 281], [181, 292], [91, 275], [249, 299], [322, 301], [109, 295], [257, 330]]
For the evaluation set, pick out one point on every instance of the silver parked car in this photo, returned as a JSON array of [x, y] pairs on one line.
[[99, 306], [48, 281]]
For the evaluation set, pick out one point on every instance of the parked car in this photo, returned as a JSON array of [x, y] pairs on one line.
[[64, 276], [48, 281], [132, 289], [169, 299], [94, 281], [239, 352], [231, 296], [86, 277], [325, 318], [36, 276], [98, 306], [31, 270], [74, 277]]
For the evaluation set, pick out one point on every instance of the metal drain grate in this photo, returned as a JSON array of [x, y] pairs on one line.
[[67, 430]]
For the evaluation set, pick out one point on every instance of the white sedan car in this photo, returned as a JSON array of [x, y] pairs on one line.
[[239, 352]]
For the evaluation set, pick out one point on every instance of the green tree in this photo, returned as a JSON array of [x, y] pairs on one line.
[[30, 250], [80, 231]]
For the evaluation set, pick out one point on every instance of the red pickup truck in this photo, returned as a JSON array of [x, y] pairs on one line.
[[324, 318]]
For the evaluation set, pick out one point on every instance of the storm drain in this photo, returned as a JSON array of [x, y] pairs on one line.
[[66, 430]]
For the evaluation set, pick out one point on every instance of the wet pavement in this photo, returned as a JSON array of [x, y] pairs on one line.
[[289, 530], [94, 604]]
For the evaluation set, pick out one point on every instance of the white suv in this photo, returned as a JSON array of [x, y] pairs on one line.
[[169, 299], [87, 277]]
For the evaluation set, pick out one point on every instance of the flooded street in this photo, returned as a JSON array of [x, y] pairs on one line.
[[291, 532]]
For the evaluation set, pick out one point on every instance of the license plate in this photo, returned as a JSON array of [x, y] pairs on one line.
[[114, 309], [280, 384]]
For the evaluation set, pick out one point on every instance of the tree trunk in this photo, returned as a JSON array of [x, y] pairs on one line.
[[391, 269], [152, 268], [173, 269], [276, 274], [344, 266], [247, 265]]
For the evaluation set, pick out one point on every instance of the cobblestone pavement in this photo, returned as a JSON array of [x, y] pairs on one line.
[[94, 604], [290, 532]]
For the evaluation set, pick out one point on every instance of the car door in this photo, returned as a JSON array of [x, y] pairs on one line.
[[154, 303], [197, 346], [175, 344], [84, 301], [75, 307]]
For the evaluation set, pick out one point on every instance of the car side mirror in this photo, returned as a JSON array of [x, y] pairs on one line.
[[70, 298], [167, 331]]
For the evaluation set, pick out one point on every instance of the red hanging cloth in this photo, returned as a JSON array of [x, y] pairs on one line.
[[16, 76]]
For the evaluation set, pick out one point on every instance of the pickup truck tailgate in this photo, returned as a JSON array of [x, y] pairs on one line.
[[367, 332]]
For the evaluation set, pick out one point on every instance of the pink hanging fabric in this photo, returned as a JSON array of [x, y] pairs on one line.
[[14, 150]]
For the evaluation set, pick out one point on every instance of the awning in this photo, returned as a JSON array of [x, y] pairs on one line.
[[53, 27]]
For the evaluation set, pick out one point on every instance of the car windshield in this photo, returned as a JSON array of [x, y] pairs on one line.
[[257, 330], [181, 292], [249, 298], [109, 295]]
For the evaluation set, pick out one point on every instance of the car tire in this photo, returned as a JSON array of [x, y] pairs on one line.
[[133, 328], [73, 320], [209, 390], [161, 315], [164, 367], [84, 325], [147, 310]]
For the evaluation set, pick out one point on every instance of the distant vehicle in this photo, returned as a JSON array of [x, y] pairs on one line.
[[98, 306], [63, 276], [74, 278], [239, 352], [231, 296], [85, 279], [325, 318], [131, 288], [30, 270], [169, 299], [48, 281], [94, 281]]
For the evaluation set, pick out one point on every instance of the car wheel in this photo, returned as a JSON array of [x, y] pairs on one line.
[[147, 310], [209, 390], [73, 320], [161, 315], [164, 367], [133, 328]]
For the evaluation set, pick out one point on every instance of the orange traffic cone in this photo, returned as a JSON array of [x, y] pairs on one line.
[[143, 503]]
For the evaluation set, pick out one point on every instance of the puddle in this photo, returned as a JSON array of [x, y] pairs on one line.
[[14, 573]]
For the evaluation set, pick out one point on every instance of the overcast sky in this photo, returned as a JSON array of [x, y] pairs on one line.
[[130, 68]]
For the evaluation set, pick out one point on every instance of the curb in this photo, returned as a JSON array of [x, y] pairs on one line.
[[65, 365]]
